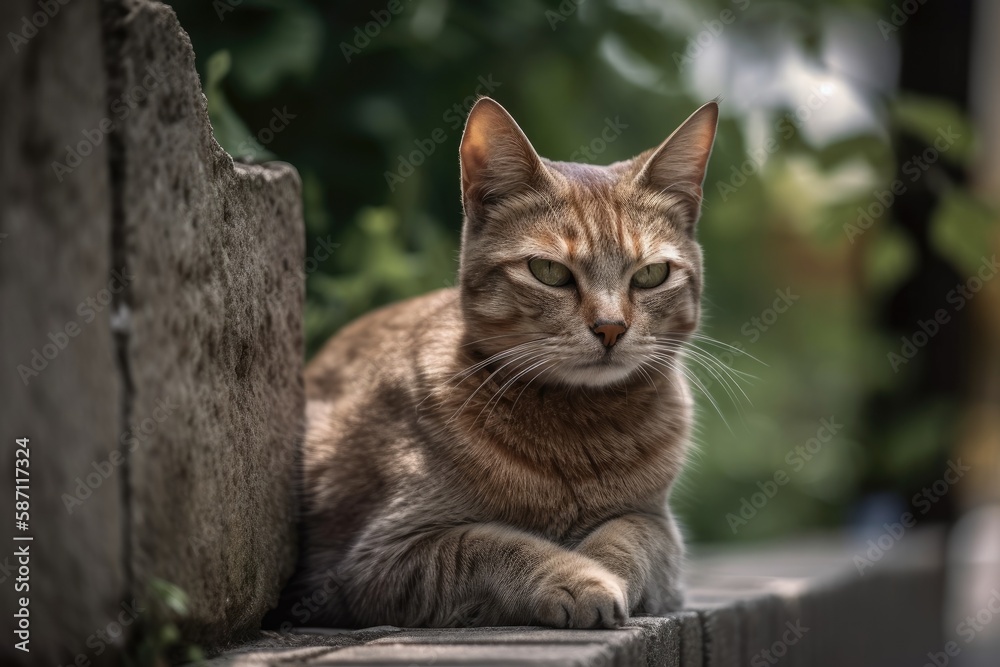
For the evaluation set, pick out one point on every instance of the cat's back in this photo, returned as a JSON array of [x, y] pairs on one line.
[[390, 344], [362, 390]]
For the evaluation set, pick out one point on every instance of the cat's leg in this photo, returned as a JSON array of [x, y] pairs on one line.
[[647, 552], [480, 574]]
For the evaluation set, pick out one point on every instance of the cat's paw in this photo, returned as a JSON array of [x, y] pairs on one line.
[[590, 597]]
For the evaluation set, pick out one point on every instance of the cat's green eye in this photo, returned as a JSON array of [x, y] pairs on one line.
[[651, 275], [551, 273]]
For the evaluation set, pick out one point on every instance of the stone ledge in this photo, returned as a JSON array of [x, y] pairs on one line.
[[804, 601]]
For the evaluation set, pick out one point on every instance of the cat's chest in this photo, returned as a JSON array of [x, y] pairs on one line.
[[570, 476]]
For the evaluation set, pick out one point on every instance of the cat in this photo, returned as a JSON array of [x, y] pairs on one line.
[[501, 453]]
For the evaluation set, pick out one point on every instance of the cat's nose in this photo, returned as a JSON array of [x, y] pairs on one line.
[[609, 332]]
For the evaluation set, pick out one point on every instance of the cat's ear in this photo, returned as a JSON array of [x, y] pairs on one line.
[[497, 160], [677, 166]]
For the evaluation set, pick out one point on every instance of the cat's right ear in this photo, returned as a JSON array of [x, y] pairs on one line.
[[678, 165], [497, 160]]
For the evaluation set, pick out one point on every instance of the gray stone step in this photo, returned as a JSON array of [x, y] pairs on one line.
[[801, 603]]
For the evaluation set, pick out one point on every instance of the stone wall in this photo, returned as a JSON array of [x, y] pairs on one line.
[[62, 392], [160, 285]]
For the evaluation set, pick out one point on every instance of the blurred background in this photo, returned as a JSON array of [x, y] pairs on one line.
[[849, 225]]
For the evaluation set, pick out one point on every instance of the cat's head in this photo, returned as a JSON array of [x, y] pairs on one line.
[[573, 273]]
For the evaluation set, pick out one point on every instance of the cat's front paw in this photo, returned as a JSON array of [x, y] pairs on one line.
[[590, 597]]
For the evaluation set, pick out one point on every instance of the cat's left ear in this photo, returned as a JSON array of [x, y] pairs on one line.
[[497, 160], [677, 166]]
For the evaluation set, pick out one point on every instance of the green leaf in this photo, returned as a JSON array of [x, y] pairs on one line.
[[229, 129], [937, 120], [918, 441], [964, 229], [171, 596], [889, 258], [290, 45]]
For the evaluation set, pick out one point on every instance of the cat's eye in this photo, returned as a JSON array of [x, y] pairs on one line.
[[651, 275], [551, 273]]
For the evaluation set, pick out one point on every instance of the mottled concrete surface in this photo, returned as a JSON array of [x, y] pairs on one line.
[[214, 345], [59, 383], [163, 285]]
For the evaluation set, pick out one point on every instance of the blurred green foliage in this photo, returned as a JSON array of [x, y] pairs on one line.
[[368, 87], [157, 640]]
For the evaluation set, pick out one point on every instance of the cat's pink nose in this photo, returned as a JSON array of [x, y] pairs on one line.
[[609, 332]]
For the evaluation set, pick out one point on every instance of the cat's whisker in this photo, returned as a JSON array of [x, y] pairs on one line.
[[718, 343], [672, 380], [721, 373], [492, 358], [478, 366], [689, 345], [507, 385], [735, 371], [648, 378], [657, 370], [707, 358], [544, 334], [517, 359], [515, 374], [495, 357], [709, 362], [722, 379], [668, 363], [524, 354], [526, 386]]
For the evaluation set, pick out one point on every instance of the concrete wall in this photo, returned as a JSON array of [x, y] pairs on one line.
[[177, 403], [63, 393]]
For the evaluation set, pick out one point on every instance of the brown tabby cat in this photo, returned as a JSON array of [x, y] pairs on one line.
[[501, 453]]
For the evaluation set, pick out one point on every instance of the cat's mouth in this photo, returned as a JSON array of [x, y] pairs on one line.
[[610, 368], [604, 362]]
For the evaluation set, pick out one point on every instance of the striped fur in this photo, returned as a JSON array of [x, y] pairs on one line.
[[476, 456]]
